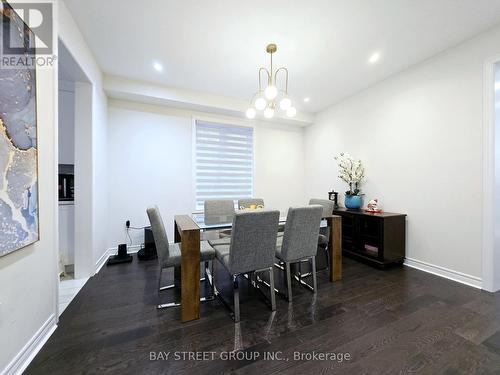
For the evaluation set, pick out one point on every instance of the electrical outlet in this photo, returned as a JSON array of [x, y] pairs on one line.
[[127, 224]]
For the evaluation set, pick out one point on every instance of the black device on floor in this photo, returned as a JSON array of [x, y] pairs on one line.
[[121, 257], [148, 252]]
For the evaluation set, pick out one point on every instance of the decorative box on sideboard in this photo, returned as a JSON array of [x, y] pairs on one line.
[[375, 238]]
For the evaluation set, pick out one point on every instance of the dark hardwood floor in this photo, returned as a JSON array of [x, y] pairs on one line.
[[395, 321]]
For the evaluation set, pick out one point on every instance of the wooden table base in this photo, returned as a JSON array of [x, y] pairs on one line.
[[335, 247], [187, 232]]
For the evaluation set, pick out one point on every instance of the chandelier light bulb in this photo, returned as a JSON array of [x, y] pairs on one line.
[[260, 104], [291, 112], [271, 92], [268, 112], [250, 113], [285, 103]]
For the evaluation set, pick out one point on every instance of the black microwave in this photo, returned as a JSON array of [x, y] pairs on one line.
[[66, 187]]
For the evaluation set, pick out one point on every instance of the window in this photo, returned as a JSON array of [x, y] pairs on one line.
[[223, 162]]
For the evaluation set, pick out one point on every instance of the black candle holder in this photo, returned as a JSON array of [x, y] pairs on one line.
[[334, 196]]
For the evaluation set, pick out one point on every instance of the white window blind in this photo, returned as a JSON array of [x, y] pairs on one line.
[[224, 162]]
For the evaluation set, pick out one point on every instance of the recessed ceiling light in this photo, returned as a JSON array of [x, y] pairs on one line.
[[307, 100], [158, 67], [374, 58]]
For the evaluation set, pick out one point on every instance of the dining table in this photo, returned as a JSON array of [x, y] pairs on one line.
[[187, 232]]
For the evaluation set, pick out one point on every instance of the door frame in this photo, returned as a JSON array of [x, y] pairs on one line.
[[490, 271]]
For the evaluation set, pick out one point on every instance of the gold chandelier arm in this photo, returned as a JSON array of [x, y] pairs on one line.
[[271, 70], [285, 70], [268, 77]]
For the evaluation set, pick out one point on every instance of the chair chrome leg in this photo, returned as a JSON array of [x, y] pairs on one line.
[[299, 276], [166, 287], [177, 304], [206, 270], [204, 277], [271, 282], [304, 284], [212, 278], [220, 297], [159, 280], [259, 280], [168, 305], [208, 277], [280, 266], [171, 286], [315, 283], [327, 252], [236, 300], [288, 282]]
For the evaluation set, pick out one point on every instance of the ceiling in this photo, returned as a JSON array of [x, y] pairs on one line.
[[216, 46]]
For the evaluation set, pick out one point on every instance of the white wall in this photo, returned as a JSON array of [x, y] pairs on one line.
[[100, 173], [279, 165], [150, 162], [419, 135], [90, 201], [84, 186], [28, 277], [66, 121], [28, 306]]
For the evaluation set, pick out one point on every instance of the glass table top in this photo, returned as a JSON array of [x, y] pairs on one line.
[[223, 221]]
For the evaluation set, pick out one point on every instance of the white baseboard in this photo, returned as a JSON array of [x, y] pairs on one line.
[[31, 349], [460, 277], [101, 261], [113, 251]]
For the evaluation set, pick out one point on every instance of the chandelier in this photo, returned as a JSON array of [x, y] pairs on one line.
[[267, 99]]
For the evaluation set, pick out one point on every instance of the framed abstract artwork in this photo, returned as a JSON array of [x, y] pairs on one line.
[[19, 225]]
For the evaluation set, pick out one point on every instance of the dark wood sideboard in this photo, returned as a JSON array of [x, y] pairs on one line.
[[377, 239]]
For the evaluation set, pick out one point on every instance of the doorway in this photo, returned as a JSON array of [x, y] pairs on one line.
[[74, 194]]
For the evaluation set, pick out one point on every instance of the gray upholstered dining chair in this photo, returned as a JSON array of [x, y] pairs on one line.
[[169, 255], [248, 202], [324, 233], [252, 248], [300, 242], [219, 211]]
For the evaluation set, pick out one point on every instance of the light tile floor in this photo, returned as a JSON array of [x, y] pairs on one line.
[[68, 289]]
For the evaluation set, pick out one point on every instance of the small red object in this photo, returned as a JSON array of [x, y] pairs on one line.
[[373, 207]]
